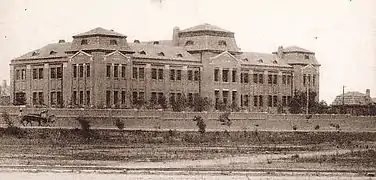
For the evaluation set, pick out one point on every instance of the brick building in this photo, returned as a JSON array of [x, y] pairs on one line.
[[354, 103], [99, 68]]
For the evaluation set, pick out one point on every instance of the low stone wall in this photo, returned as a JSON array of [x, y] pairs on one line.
[[155, 119]]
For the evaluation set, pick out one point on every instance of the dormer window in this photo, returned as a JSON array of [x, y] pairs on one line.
[[156, 42], [260, 61], [161, 54], [142, 52], [113, 42], [136, 41], [35, 53], [189, 43], [179, 55], [275, 62], [222, 43], [306, 56], [84, 42], [52, 52], [245, 59]]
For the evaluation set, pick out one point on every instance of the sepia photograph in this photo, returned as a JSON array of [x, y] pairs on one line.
[[188, 89]]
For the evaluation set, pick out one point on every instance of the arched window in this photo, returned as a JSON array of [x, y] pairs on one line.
[[275, 62], [161, 54], [142, 52], [113, 42], [35, 53], [245, 59], [84, 41], [52, 52], [260, 61], [222, 43], [179, 55], [189, 43]]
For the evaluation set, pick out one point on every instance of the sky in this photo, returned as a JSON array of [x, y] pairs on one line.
[[345, 30]]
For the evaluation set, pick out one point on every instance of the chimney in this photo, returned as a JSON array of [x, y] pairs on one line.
[[61, 41], [368, 92], [280, 52], [175, 36]]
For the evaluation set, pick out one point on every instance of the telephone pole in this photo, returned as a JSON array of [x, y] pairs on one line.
[[343, 99], [307, 104]]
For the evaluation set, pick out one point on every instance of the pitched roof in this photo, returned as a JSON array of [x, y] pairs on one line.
[[150, 51], [291, 49], [261, 59], [352, 98], [101, 32], [204, 27], [49, 51]]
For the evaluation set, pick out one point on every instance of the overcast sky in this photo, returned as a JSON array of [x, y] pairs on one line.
[[345, 30]]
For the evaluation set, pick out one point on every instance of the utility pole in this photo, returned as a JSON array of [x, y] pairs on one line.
[[307, 104], [343, 99]]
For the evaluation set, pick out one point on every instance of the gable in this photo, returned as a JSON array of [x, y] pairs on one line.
[[81, 57], [225, 60], [116, 57], [310, 69]]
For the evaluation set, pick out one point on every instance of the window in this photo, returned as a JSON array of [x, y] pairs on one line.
[[222, 43], [216, 74], [309, 79], [234, 94], [225, 75], [288, 79], [74, 98], [60, 98], [122, 97], [314, 80], [246, 78], [136, 41], [142, 52], [190, 75], [74, 71], [108, 98], [123, 70], [84, 42], [179, 55], [40, 73], [53, 73], [154, 96], [53, 98], [135, 72], [23, 74], [52, 52], [284, 79], [261, 78], [81, 97], [306, 56], [160, 98], [161, 54], [275, 62], [35, 98], [233, 75], [270, 100], [160, 73], [141, 96], [304, 79], [275, 79], [141, 73], [246, 100], [108, 70], [172, 74], [190, 98], [275, 101], [260, 61], [178, 75], [41, 98], [17, 74], [88, 97], [35, 75], [154, 73], [225, 97], [81, 70], [172, 98], [35, 54], [116, 71], [261, 101], [189, 43], [156, 42], [87, 70], [288, 100], [270, 79], [216, 95], [284, 101], [255, 78], [59, 72], [197, 75], [113, 42], [116, 97]]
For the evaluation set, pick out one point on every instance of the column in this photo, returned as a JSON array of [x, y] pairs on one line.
[[184, 80], [166, 82], [147, 82], [46, 84], [67, 84], [12, 84], [28, 80]]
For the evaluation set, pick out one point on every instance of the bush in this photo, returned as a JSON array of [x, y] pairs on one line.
[[200, 124], [119, 124], [11, 129], [294, 127], [317, 127]]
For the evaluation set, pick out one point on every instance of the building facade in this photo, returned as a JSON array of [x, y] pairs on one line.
[[354, 103], [99, 68]]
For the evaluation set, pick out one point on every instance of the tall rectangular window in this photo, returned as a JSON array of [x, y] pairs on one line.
[[172, 98], [53, 73], [108, 98], [288, 100], [35, 75], [35, 98], [81, 97], [304, 79], [74, 98], [122, 97], [270, 100], [190, 98], [108, 70], [178, 74], [134, 73], [284, 101], [160, 98], [17, 74], [154, 97], [87, 70], [172, 74], [141, 96], [190, 75], [216, 74], [74, 71], [59, 72], [141, 73], [270, 79], [246, 100], [255, 102], [197, 75], [116, 71], [261, 78], [261, 101], [275, 79], [275, 101], [123, 70], [154, 73], [284, 79], [160, 73], [233, 75], [23, 74], [288, 79], [53, 98], [255, 78], [88, 97], [314, 80], [246, 78], [116, 97], [81, 70], [225, 75], [225, 97]]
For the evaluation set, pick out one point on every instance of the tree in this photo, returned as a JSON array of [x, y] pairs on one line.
[[200, 104], [180, 104], [299, 101]]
